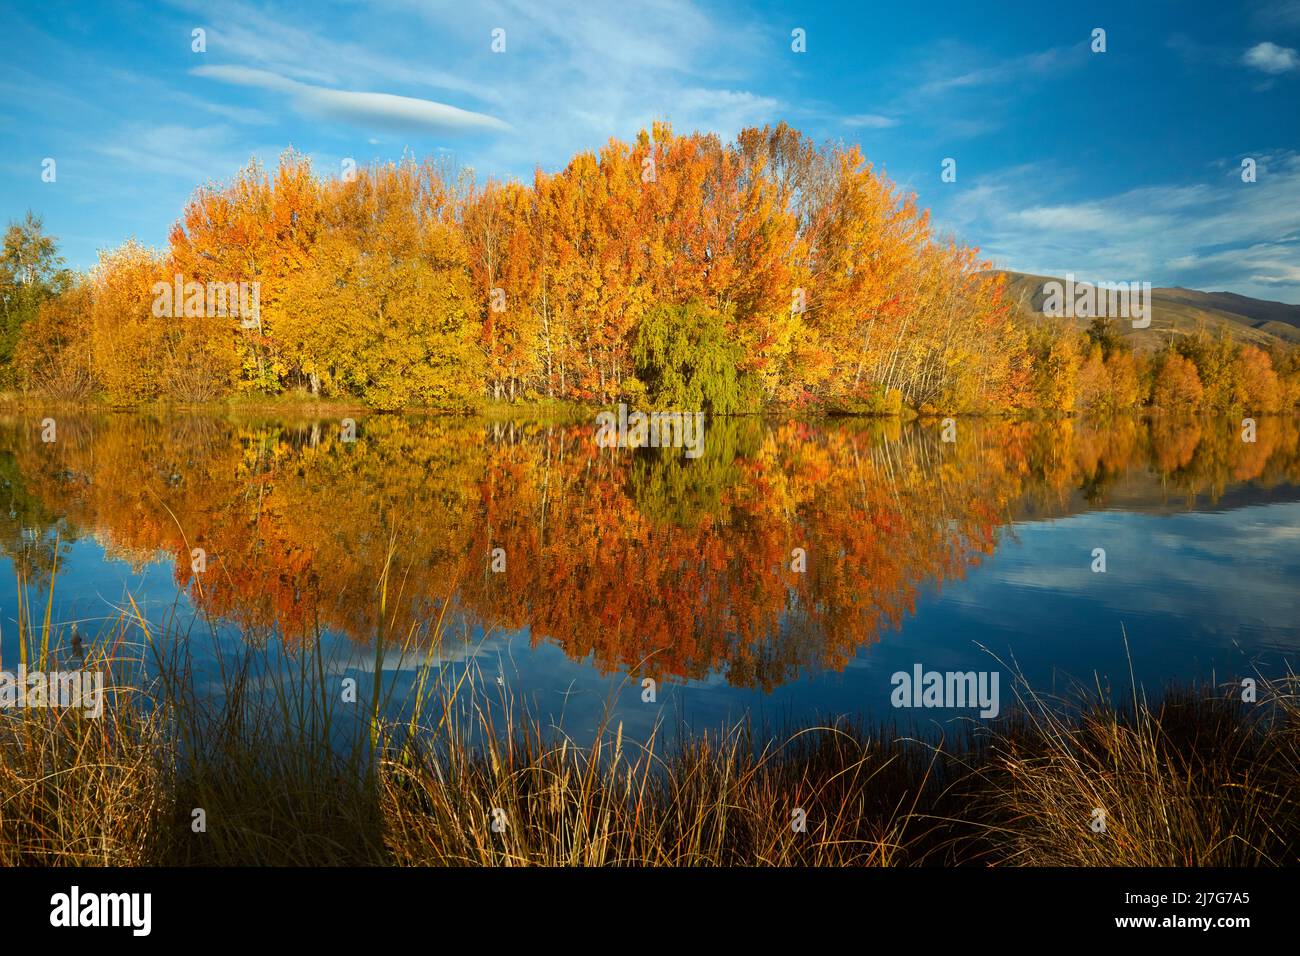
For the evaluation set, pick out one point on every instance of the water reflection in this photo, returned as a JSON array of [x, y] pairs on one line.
[[643, 562]]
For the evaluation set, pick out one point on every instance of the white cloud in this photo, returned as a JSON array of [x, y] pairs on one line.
[[382, 110], [1271, 58]]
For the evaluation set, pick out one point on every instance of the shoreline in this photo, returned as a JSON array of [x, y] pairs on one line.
[[568, 412]]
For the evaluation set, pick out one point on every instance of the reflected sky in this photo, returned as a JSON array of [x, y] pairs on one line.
[[622, 565]]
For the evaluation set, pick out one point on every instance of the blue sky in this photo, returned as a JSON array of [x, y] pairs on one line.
[[1122, 165]]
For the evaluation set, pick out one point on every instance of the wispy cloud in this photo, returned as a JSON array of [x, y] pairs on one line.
[[959, 90], [1274, 265], [246, 116], [191, 154], [1082, 217], [244, 32], [1277, 14], [870, 121], [1214, 234], [575, 73], [1038, 64], [572, 74]]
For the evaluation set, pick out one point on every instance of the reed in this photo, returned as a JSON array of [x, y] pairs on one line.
[[288, 773]]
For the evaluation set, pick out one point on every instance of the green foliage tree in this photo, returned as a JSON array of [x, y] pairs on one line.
[[31, 273], [687, 361]]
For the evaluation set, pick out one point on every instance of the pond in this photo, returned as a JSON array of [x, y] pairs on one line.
[[788, 574]]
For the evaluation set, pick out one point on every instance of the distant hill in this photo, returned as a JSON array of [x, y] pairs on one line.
[[1179, 311]]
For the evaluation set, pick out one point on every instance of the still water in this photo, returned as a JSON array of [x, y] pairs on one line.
[[785, 575]]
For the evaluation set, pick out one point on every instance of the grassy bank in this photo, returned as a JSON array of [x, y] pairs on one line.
[[285, 772]]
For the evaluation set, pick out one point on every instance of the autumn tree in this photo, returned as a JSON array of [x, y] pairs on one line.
[[814, 279], [1056, 363], [55, 355], [128, 341], [504, 245], [388, 292], [1177, 383], [1259, 389]]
